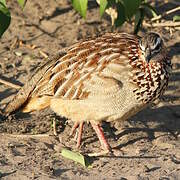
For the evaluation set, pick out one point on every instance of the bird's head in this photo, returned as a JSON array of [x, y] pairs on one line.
[[152, 47]]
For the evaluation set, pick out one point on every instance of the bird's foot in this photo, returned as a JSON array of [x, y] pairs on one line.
[[101, 153], [98, 129], [111, 152], [104, 144]]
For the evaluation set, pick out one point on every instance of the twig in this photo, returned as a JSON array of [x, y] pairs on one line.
[[43, 54], [166, 13], [54, 127], [163, 24], [175, 2], [28, 135], [9, 84]]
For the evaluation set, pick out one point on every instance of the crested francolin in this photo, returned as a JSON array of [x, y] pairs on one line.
[[108, 78]]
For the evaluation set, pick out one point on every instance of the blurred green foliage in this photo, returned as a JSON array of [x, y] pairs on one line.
[[176, 18], [22, 3], [126, 10], [121, 11], [80, 6], [5, 15]]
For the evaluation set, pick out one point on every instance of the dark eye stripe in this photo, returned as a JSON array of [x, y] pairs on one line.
[[156, 44], [157, 47]]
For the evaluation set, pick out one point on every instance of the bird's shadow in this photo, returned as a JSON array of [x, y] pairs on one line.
[[165, 120], [7, 174]]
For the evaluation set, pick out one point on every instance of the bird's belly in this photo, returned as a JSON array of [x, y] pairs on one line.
[[110, 107]]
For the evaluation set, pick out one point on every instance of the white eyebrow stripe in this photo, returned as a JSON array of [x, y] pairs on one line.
[[142, 47], [158, 41]]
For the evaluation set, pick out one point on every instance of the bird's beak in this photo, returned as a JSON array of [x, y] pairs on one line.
[[148, 54]]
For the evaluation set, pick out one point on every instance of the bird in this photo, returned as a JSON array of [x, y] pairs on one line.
[[107, 78]]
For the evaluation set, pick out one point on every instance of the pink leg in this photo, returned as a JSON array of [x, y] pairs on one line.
[[80, 134], [75, 126], [100, 134]]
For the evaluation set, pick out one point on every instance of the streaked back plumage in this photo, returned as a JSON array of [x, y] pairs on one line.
[[81, 71]]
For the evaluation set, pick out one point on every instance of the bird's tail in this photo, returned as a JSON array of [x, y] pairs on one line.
[[17, 102], [23, 100]]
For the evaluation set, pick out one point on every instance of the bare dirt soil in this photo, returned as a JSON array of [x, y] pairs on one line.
[[148, 144]]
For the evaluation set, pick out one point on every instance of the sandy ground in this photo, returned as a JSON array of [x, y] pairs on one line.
[[148, 144]]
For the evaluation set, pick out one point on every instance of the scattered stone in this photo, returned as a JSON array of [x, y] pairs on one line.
[[18, 53], [117, 152], [165, 146], [164, 178], [141, 150], [175, 159], [58, 148], [151, 167], [49, 26], [161, 144], [27, 58], [122, 178], [48, 169]]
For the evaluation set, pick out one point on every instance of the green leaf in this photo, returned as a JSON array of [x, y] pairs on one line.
[[139, 16], [103, 5], [148, 8], [22, 3], [5, 17], [137, 21], [75, 156], [3, 1], [176, 18], [121, 15], [131, 6], [83, 4], [80, 6]]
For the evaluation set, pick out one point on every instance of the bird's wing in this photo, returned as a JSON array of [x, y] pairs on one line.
[[99, 104], [65, 75], [105, 56]]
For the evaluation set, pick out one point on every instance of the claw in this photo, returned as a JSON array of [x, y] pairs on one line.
[[101, 153]]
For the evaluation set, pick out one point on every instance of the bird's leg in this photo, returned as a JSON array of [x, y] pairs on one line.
[[105, 146], [80, 134], [75, 126]]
